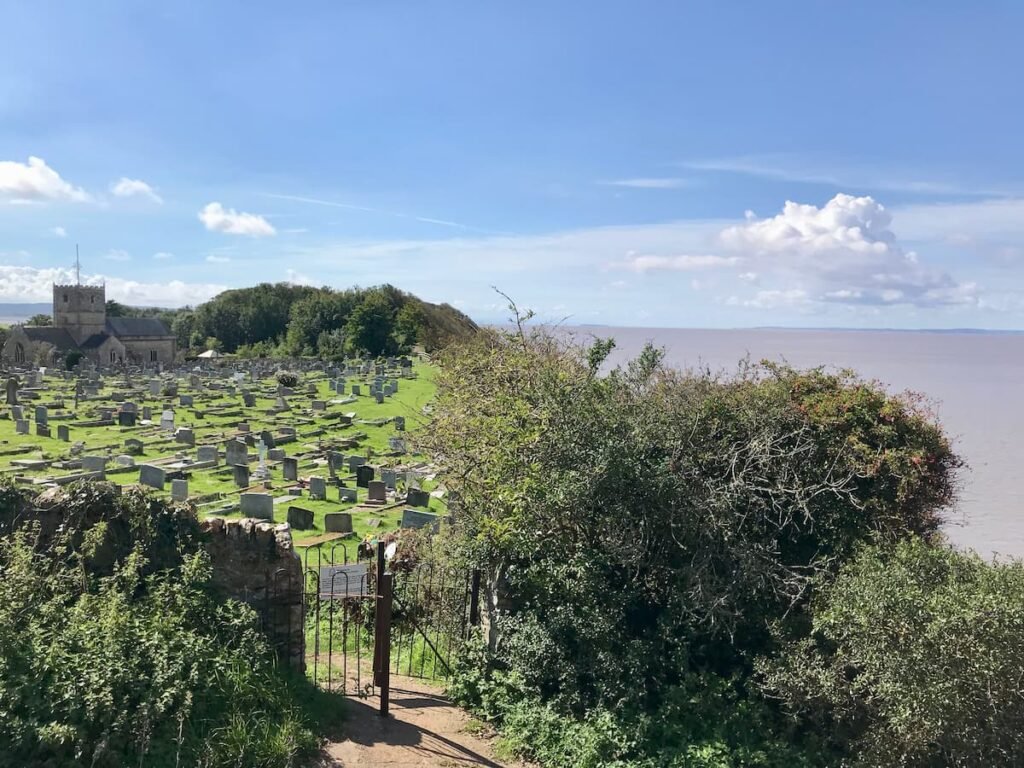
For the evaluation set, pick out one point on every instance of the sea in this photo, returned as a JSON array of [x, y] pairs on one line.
[[974, 380]]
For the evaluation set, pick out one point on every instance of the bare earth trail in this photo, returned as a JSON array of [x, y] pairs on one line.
[[424, 729]]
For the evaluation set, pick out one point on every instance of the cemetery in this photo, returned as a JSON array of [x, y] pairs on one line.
[[325, 448]]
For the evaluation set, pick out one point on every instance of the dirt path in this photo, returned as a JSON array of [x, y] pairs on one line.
[[424, 729]]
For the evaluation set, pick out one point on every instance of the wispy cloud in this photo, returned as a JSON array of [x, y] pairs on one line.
[[213, 258], [59, 232], [808, 170], [381, 211], [163, 256], [649, 183], [117, 255]]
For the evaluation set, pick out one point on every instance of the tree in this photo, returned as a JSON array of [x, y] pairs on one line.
[[182, 326], [915, 659], [213, 343], [370, 327], [40, 320], [408, 322]]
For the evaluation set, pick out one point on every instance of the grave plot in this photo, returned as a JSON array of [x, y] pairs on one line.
[[328, 454]]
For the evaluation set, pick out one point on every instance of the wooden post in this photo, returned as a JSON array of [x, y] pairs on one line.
[[384, 641]]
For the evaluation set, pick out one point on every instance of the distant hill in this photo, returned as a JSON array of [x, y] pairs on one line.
[[19, 313]]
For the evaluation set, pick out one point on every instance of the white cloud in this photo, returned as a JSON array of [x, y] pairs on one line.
[[213, 258], [118, 255], [59, 232], [163, 256], [685, 263], [35, 182], [32, 284], [217, 218], [649, 183], [843, 252], [774, 299], [125, 187], [297, 278], [748, 277]]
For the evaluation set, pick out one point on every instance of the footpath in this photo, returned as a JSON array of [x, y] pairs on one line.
[[424, 729]]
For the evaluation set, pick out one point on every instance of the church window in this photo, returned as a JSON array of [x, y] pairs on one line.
[[65, 298], [92, 299], [19, 353], [113, 356], [152, 356]]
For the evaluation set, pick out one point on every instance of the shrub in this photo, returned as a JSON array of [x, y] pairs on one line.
[[915, 659], [287, 379]]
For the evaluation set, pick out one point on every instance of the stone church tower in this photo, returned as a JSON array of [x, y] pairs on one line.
[[81, 309]]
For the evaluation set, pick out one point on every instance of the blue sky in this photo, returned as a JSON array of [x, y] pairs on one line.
[[643, 163]]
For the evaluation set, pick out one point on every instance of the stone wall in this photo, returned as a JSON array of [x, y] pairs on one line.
[[254, 562]]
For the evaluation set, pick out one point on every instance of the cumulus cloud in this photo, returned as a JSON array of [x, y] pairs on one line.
[[35, 182], [217, 218], [125, 187], [844, 252], [32, 284], [59, 232], [684, 263]]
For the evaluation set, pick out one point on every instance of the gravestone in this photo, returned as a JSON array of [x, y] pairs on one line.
[[357, 390], [167, 420], [258, 505], [300, 519], [147, 413], [267, 438], [389, 477], [185, 436], [179, 490], [42, 430], [364, 474], [154, 477], [63, 433], [376, 492], [94, 463], [276, 454], [126, 418], [379, 397], [396, 444], [412, 518], [17, 412], [154, 387], [338, 522], [134, 446], [354, 462], [124, 461], [347, 495], [12, 390], [290, 468], [208, 453], [240, 474], [42, 415], [236, 452], [317, 488], [400, 423], [248, 399], [186, 401], [319, 405], [242, 426], [417, 498]]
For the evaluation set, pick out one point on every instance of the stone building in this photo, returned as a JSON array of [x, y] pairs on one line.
[[80, 325]]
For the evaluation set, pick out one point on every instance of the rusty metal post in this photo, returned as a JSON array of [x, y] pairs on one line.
[[378, 578], [384, 641]]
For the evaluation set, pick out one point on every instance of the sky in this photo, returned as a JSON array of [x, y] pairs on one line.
[[664, 164]]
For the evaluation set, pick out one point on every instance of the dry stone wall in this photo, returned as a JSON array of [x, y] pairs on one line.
[[254, 562]]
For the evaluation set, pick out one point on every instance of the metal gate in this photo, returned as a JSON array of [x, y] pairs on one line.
[[364, 623]]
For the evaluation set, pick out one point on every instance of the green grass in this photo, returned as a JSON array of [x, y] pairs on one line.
[[213, 429]]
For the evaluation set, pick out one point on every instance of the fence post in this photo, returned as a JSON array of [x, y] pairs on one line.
[[378, 579], [384, 641], [474, 600]]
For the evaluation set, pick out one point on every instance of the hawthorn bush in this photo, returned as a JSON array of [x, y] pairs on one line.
[[643, 531]]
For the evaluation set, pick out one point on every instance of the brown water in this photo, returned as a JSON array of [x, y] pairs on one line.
[[976, 382]]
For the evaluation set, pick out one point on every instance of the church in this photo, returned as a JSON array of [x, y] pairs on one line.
[[81, 328]]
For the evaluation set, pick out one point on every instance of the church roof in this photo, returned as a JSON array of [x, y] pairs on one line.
[[59, 337], [137, 326], [95, 341]]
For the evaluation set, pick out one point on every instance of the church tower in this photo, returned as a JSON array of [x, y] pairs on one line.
[[82, 309]]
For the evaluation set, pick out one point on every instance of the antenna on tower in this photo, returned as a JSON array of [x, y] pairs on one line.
[[78, 267]]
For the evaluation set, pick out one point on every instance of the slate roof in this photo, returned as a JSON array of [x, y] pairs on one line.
[[137, 326], [59, 337], [94, 341]]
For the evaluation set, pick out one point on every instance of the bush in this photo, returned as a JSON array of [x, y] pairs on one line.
[[117, 655], [287, 379], [915, 659], [644, 530]]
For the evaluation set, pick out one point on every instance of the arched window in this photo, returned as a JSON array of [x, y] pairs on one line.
[[113, 356], [153, 356], [19, 353], [65, 298]]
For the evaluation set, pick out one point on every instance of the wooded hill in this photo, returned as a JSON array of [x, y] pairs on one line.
[[284, 319]]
